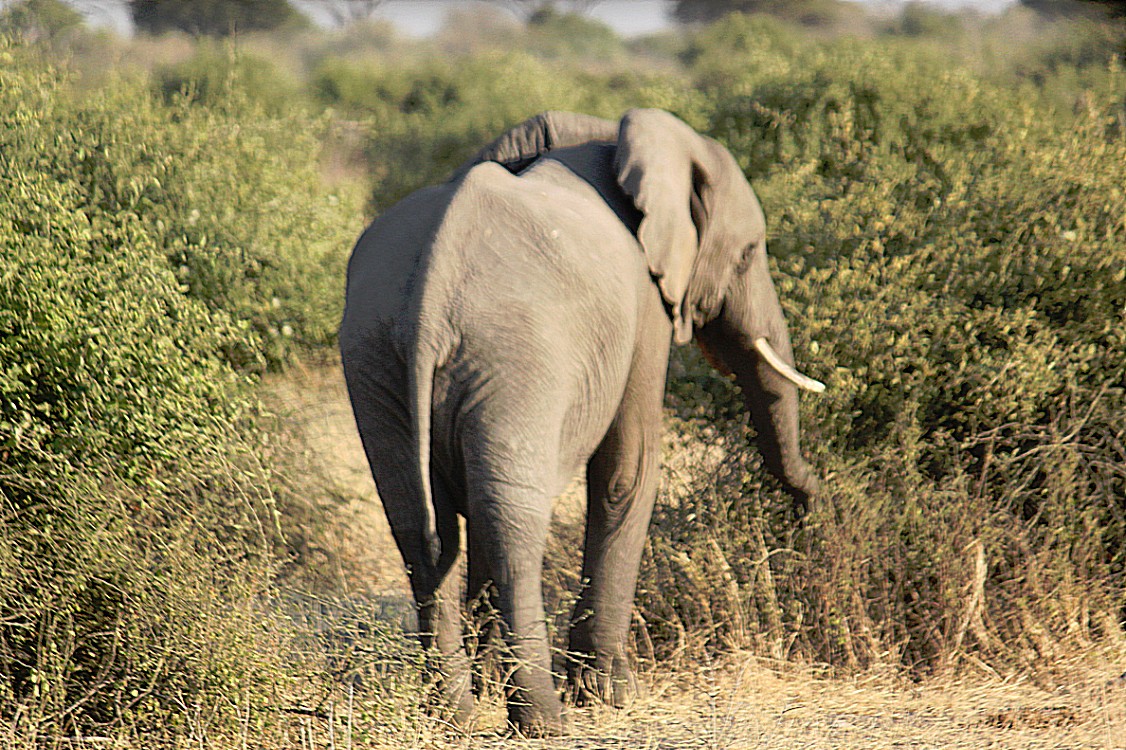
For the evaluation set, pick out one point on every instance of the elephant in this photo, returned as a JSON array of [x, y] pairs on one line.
[[512, 326]]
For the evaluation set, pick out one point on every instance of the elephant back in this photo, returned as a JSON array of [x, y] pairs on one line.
[[519, 147]]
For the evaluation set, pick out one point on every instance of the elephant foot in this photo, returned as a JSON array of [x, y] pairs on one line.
[[457, 715], [601, 680], [537, 721], [452, 698]]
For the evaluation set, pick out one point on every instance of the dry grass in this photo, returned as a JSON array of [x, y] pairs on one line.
[[745, 704], [740, 702]]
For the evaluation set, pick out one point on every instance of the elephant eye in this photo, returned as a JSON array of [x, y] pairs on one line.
[[745, 259]]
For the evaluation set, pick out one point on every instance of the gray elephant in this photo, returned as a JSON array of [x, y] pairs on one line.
[[513, 325]]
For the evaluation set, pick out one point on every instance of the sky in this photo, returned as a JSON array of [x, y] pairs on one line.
[[626, 17], [424, 17]]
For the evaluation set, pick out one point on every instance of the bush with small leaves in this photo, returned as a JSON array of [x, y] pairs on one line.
[[951, 256], [139, 534]]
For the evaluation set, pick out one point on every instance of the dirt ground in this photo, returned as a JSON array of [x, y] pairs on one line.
[[744, 702]]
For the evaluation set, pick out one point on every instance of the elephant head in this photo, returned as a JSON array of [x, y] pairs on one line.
[[704, 237]]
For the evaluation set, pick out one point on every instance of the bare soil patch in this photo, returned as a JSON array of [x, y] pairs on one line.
[[352, 536]]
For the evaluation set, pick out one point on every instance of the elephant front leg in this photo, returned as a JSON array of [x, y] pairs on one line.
[[622, 478]]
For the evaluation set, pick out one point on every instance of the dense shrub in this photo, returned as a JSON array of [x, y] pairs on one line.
[[138, 524], [425, 118], [811, 13], [572, 37], [214, 72], [48, 21], [211, 18], [231, 196], [952, 258]]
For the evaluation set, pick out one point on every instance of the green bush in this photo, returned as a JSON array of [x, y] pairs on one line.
[[215, 17], [952, 260], [40, 20], [138, 525], [571, 37], [426, 118], [215, 73], [115, 420], [232, 197]]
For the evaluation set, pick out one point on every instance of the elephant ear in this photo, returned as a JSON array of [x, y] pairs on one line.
[[531, 139], [699, 213]]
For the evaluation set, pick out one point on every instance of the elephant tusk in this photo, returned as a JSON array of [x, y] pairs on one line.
[[802, 381]]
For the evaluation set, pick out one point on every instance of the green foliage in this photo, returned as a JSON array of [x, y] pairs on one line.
[[1080, 8], [233, 200], [427, 117], [919, 20], [571, 36], [952, 256], [115, 419], [39, 20], [217, 72], [138, 531], [1061, 57], [215, 17], [811, 13]]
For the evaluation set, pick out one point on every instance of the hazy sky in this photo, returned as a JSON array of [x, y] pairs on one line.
[[627, 17], [423, 17]]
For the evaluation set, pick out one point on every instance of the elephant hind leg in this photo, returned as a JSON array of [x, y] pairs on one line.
[[622, 480], [509, 523], [483, 610], [438, 595], [436, 589]]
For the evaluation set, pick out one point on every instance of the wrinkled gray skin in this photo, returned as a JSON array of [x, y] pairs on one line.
[[513, 325]]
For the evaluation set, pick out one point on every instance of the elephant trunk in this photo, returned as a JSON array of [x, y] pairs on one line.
[[772, 401], [734, 342]]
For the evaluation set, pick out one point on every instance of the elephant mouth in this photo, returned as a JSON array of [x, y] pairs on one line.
[[802, 381]]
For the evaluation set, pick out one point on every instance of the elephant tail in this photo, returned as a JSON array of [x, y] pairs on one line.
[[421, 386]]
